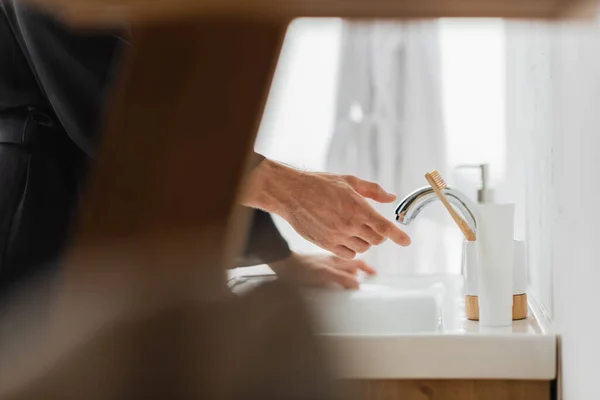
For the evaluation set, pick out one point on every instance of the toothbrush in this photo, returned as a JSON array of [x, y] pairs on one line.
[[437, 184]]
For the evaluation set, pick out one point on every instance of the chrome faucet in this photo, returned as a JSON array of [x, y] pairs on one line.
[[410, 207]]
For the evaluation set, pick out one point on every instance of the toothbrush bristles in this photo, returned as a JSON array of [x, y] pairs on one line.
[[437, 178]]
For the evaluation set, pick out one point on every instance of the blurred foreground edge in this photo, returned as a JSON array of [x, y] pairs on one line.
[[141, 309], [111, 12]]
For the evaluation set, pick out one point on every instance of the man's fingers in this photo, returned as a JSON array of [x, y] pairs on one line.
[[343, 278], [363, 266], [369, 235], [344, 252], [371, 190], [357, 244], [350, 270], [353, 266], [387, 228]]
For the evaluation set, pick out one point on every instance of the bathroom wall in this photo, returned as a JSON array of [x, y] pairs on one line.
[[529, 143], [553, 124]]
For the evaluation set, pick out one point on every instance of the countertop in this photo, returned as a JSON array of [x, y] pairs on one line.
[[461, 349]]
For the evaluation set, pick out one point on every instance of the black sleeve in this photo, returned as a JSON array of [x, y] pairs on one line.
[[265, 244], [75, 68], [256, 159]]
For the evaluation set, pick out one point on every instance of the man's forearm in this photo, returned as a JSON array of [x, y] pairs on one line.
[[265, 243], [266, 188]]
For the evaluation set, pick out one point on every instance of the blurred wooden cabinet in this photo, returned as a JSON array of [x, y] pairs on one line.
[[102, 12], [158, 222], [446, 390]]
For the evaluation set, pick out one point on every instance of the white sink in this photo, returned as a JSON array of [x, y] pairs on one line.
[[376, 309], [379, 307], [391, 329]]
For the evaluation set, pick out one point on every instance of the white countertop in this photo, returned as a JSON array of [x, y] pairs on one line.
[[461, 349]]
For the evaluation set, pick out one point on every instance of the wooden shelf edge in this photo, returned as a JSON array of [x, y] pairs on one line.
[[102, 13]]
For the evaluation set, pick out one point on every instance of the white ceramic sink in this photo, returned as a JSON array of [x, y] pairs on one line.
[[379, 307], [376, 309], [391, 329]]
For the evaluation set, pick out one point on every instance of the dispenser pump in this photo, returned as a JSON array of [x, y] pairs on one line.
[[484, 194]]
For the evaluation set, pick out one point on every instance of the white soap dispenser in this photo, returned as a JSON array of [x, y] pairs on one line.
[[470, 264], [485, 195]]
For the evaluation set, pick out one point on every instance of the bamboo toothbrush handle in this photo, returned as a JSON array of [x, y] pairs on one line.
[[462, 224]]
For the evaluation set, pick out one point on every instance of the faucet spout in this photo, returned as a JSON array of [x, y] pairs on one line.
[[412, 205]]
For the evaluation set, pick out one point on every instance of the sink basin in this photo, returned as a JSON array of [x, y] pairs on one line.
[[376, 309], [391, 328], [382, 306]]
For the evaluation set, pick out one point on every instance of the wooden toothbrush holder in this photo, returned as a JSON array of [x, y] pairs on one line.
[[519, 309]]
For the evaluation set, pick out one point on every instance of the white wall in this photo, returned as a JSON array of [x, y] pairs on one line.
[[473, 82], [297, 124], [553, 112], [530, 144]]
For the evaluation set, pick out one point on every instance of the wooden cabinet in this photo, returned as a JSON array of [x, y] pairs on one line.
[[445, 390], [110, 12]]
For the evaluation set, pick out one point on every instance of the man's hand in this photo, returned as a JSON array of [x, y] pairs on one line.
[[321, 270], [327, 209]]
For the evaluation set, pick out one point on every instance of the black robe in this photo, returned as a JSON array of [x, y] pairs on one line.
[[54, 82]]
